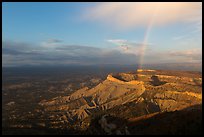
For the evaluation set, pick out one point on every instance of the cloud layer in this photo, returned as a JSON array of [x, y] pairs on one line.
[[14, 54], [193, 55], [129, 14], [17, 54], [128, 47]]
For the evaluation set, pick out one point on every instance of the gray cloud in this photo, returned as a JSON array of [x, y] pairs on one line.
[[18, 48], [75, 47], [194, 54], [15, 55], [129, 47], [10, 51], [77, 50], [54, 41], [174, 56], [125, 42], [51, 43]]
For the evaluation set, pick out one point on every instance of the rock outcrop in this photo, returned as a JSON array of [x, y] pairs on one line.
[[147, 91], [108, 94]]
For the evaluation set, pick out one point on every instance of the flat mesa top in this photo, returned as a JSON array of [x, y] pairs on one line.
[[177, 73]]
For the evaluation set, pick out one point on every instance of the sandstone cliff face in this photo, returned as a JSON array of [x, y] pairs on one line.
[[129, 95]]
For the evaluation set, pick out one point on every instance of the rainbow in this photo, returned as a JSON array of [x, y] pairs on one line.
[[146, 37]]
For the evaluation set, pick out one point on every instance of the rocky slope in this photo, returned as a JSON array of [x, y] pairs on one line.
[[124, 96]]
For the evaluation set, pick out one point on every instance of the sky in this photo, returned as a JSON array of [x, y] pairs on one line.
[[87, 33]]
